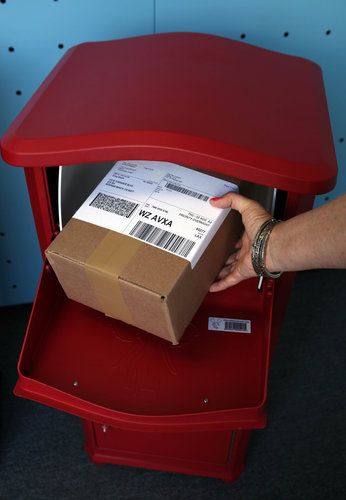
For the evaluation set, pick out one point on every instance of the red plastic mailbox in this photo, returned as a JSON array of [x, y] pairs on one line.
[[201, 101]]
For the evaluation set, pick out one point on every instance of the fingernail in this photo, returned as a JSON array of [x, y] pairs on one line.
[[214, 199]]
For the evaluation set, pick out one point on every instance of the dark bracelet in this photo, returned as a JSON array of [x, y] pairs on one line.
[[258, 249]]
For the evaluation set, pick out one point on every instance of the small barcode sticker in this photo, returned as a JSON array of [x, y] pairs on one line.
[[229, 325], [163, 239], [117, 206], [186, 191]]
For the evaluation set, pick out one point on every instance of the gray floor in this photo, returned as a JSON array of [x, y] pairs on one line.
[[300, 455]]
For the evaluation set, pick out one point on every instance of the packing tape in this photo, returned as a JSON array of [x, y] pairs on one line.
[[104, 266]]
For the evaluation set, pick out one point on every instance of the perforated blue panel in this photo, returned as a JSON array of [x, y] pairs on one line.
[[314, 29], [34, 35]]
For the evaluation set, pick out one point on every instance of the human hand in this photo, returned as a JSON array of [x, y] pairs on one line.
[[238, 266]]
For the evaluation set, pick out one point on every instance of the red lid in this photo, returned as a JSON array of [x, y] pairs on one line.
[[195, 99]]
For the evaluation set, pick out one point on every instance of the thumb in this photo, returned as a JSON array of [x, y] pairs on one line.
[[233, 200]]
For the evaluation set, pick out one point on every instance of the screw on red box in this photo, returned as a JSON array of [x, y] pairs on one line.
[[201, 101]]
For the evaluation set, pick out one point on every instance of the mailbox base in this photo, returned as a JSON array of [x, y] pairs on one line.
[[219, 454]]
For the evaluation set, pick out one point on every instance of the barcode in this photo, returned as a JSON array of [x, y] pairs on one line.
[[232, 325], [183, 190], [118, 206], [229, 325], [163, 239]]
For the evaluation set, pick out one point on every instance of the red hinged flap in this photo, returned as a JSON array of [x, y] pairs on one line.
[[195, 99], [78, 360]]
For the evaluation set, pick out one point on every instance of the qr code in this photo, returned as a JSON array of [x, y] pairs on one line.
[[119, 206]]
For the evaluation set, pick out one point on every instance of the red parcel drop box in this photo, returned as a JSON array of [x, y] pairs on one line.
[[204, 102]]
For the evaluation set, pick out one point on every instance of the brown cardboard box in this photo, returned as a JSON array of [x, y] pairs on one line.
[[136, 282]]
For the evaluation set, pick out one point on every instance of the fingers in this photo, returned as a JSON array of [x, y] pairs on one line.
[[236, 269], [229, 275], [225, 271], [239, 243], [238, 265], [232, 257], [232, 278]]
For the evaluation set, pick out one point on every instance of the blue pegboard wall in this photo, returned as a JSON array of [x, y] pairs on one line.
[[34, 35]]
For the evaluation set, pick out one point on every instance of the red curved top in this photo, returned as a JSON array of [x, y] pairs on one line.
[[195, 99]]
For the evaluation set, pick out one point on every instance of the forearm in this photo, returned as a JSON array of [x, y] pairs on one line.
[[315, 239]]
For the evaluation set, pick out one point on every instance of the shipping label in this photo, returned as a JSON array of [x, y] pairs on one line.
[[160, 203]]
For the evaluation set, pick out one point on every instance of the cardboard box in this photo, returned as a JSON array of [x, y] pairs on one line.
[[136, 282]]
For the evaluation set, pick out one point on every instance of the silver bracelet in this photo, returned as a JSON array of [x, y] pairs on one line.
[[258, 249]]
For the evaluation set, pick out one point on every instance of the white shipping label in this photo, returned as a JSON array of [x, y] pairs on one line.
[[163, 204], [229, 325]]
